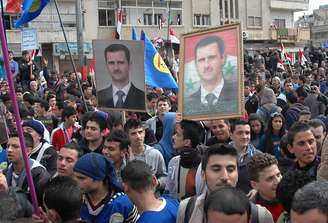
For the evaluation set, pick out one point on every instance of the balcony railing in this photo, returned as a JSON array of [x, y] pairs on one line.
[[290, 34]]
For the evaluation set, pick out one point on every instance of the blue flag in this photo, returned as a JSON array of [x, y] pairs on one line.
[[157, 73], [31, 10], [134, 34]]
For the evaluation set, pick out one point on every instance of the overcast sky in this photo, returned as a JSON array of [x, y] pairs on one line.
[[314, 4]]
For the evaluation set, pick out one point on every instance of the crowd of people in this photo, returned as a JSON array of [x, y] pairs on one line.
[[90, 165]]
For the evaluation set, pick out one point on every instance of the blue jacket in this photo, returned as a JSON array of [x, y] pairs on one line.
[[165, 145]]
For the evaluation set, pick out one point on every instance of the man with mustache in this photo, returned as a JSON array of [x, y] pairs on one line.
[[121, 93], [215, 94]]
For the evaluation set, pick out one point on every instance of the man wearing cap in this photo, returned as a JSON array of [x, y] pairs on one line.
[[103, 198], [42, 151]]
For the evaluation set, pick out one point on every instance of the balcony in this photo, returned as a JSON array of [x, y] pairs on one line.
[[290, 5], [290, 35]]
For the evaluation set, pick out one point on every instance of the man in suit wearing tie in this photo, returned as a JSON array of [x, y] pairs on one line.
[[215, 94], [121, 93]]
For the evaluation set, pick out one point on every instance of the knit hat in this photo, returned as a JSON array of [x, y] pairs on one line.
[[97, 167], [37, 126]]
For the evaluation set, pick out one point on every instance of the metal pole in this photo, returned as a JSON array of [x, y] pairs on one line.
[[71, 57], [79, 31]]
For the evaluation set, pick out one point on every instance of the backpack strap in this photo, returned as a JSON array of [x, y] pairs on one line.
[[189, 208], [254, 213]]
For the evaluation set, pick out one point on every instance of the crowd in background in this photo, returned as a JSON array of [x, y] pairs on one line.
[[90, 165]]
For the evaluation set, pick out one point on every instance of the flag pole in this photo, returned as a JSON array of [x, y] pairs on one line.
[[17, 118], [2, 15], [71, 57]]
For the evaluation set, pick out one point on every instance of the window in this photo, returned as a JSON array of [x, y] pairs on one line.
[[254, 21], [157, 18], [106, 12], [148, 19], [280, 23], [106, 17], [201, 20], [10, 20]]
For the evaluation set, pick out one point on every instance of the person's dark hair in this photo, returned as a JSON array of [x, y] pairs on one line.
[[95, 117], [291, 97], [27, 138], [218, 149], [50, 95], [63, 194], [151, 96], [209, 40], [287, 82], [312, 196], [116, 48], [316, 123], [289, 184], [305, 112], [138, 175], [237, 122], [227, 200], [269, 132], [192, 131], [25, 52], [10, 208], [163, 98], [258, 163], [119, 136], [294, 129], [67, 112], [132, 124], [74, 146], [301, 92], [44, 104], [284, 147], [255, 117]]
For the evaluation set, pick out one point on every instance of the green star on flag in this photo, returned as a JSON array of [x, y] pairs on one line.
[[229, 69], [190, 85]]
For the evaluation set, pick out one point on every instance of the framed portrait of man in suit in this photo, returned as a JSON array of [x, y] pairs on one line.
[[120, 74], [211, 74]]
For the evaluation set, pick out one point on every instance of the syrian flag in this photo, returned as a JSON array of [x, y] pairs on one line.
[[119, 19], [34, 53], [173, 36], [302, 58], [288, 57], [280, 65]]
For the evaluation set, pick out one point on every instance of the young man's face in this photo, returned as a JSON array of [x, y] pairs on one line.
[[113, 151], [215, 217], [288, 87], [14, 150], [304, 118], [319, 135], [221, 170], [304, 147], [241, 136], [66, 160], [179, 142], [310, 216], [209, 63], [71, 120], [220, 129], [137, 136], [267, 182], [92, 131], [163, 107], [152, 103], [36, 137], [86, 184]]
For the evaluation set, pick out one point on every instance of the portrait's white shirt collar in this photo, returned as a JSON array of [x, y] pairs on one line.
[[125, 90], [216, 92]]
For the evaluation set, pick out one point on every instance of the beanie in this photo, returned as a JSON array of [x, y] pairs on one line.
[[37, 126], [99, 168]]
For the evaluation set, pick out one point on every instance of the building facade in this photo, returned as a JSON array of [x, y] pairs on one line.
[[264, 22]]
